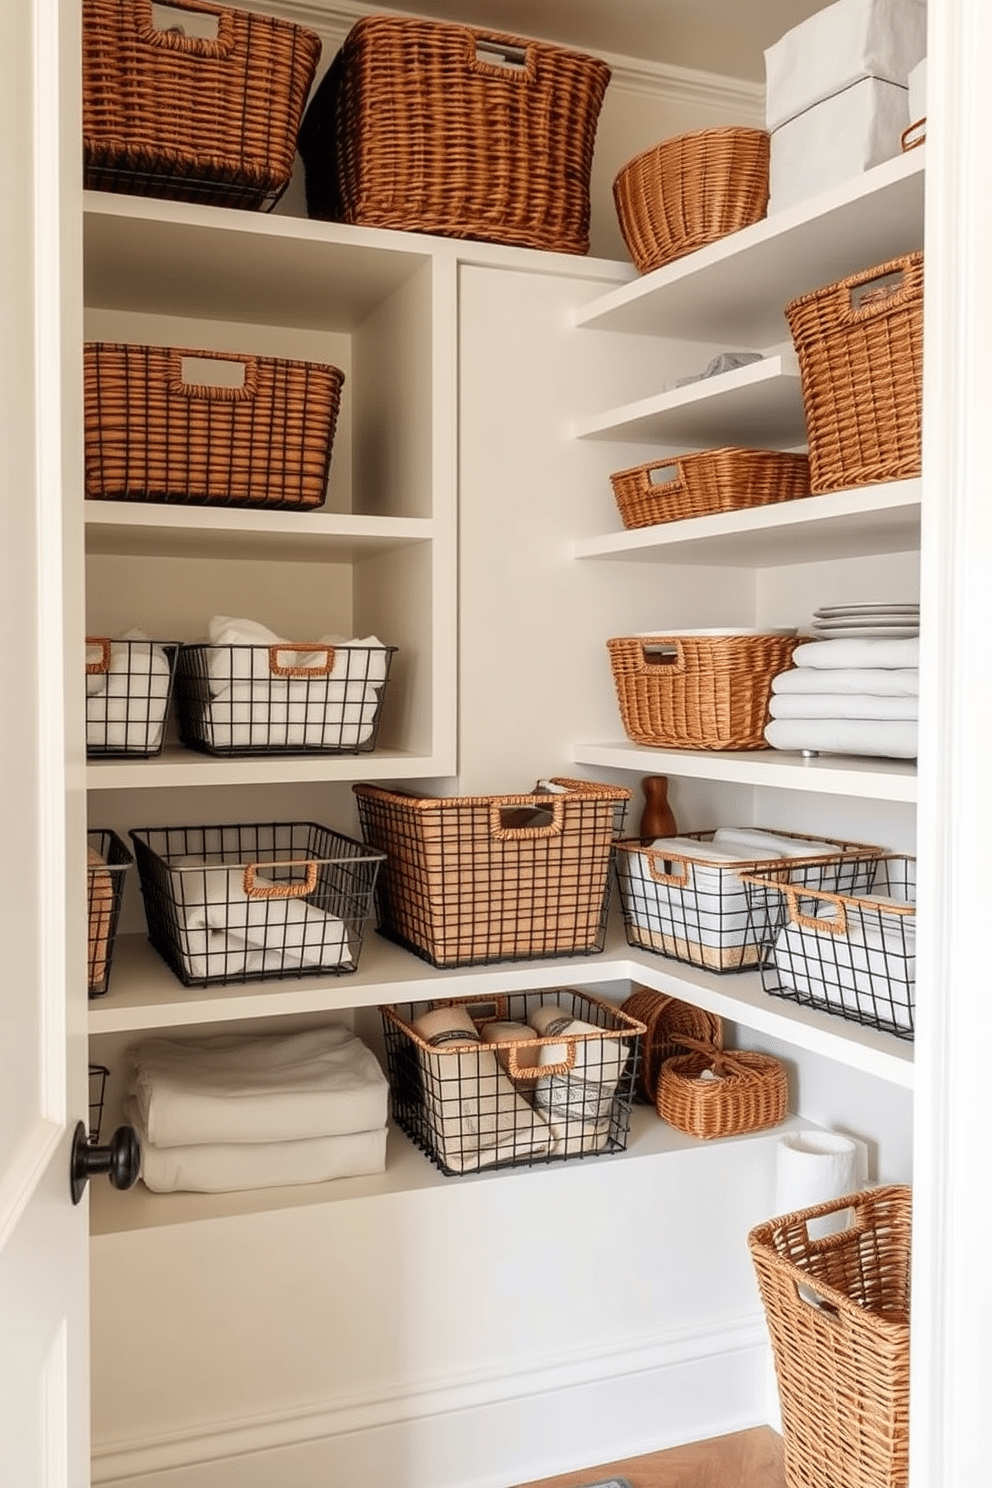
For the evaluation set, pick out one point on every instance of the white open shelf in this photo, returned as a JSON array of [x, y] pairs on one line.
[[177, 766], [746, 279]]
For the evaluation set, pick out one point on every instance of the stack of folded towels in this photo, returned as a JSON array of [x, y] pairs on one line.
[[487, 1101], [253, 708], [257, 1111], [126, 700], [849, 695]]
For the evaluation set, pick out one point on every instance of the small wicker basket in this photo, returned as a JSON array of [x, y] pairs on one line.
[[717, 480], [838, 1311], [691, 190], [748, 1092], [860, 349], [444, 129], [665, 1021], [209, 119], [157, 430], [698, 692]]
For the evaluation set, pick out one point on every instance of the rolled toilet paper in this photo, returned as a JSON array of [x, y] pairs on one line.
[[813, 1167]]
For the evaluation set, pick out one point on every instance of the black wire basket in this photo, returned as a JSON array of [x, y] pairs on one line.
[[128, 691], [99, 1074], [107, 863]]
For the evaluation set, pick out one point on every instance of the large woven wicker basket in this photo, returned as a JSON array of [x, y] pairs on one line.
[[716, 480], [471, 879], [860, 349], [711, 1092], [196, 118], [691, 190], [153, 434], [838, 1313], [697, 692], [445, 129]]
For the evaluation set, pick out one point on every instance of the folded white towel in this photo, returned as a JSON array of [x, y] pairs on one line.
[[257, 1088], [760, 843], [242, 654], [885, 681], [858, 651], [586, 1091], [295, 931], [477, 1117], [890, 738], [126, 704], [870, 971], [225, 1167], [842, 705]]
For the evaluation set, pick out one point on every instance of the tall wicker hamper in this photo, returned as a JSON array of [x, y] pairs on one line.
[[860, 348], [685, 691], [838, 1314], [445, 129], [210, 119], [474, 879], [153, 432]]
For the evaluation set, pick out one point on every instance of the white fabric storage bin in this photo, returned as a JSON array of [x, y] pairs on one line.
[[840, 45], [835, 140]]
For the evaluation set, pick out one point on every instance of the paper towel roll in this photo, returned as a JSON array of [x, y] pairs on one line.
[[813, 1167]]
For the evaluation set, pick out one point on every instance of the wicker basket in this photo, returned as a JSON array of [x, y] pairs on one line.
[[860, 349], [697, 692], [691, 190], [155, 433], [210, 118], [444, 129], [717, 480], [665, 1020], [748, 1092], [475, 1091], [474, 879], [838, 1313]]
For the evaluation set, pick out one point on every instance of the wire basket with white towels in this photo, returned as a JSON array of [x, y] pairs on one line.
[[128, 689]]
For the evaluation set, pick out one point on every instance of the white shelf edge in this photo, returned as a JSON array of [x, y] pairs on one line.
[[184, 768], [832, 775]]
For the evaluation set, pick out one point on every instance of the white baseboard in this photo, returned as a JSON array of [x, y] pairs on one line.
[[489, 1431]]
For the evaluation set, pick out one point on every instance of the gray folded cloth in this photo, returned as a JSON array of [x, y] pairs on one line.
[[726, 361]]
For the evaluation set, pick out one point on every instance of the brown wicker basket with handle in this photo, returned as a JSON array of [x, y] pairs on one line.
[[196, 118], [156, 430], [446, 129], [860, 349], [838, 1312], [697, 692], [748, 1091], [665, 1020], [716, 480], [691, 190]]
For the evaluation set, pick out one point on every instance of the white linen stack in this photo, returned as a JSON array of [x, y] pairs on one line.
[[126, 701], [257, 1111], [850, 695], [252, 708]]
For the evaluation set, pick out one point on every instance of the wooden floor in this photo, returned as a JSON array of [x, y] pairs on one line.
[[745, 1459]]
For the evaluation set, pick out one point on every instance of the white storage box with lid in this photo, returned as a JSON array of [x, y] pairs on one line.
[[836, 139]]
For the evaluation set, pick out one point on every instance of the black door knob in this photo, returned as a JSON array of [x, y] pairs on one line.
[[120, 1160]]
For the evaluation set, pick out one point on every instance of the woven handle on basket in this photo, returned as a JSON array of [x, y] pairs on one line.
[[321, 670], [517, 1071], [915, 135], [675, 482], [502, 57], [674, 880], [551, 802], [103, 665], [662, 653], [298, 889], [180, 387], [835, 926], [856, 309], [174, 40], [723, 1062]]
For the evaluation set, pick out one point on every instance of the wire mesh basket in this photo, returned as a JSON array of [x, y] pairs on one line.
[[513, 1080], [717, 480], [446, 129], [128, 690], [838, 1312], [473, 879], [298, 697], [99, 1074], [850, 953], [209, 117], [689, 902], [106, 868], [163, 423], [255, 902]]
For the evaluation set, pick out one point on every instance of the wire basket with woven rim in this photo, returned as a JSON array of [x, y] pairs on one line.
[[107, 862], [474, 879], [691, 190], [838, 1312], [713, 1092], [167, 424], [860, 348], [665, 1020], [698, 691], [716, 480], [446, 129], [207, 117]]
